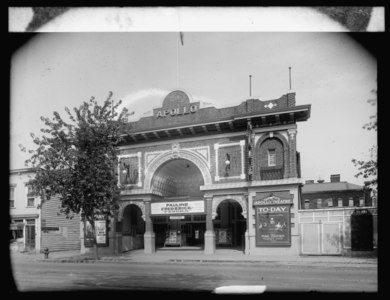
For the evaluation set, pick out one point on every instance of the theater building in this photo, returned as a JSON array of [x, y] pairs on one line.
[[206, 178]]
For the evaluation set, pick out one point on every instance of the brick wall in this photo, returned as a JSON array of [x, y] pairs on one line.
[[334, 195], [235, 161], [211, 113], [235, 169], [261, 159]]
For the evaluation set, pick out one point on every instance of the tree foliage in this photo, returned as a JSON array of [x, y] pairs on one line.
[[76, 160], [368, 169]]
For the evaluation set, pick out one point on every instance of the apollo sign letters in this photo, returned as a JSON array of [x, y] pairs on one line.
[[183, 207], [177, 111]]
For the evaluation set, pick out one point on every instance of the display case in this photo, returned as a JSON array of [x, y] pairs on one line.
[[173, 238], [223, 237]]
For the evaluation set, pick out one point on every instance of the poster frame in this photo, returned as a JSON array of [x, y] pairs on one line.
[[88, 240], [287, 219]]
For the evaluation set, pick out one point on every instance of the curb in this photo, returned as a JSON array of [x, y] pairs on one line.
[[175, 261]]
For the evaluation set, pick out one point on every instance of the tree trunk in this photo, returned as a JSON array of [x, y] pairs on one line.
[[96, 252]]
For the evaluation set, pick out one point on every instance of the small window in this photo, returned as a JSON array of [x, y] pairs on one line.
[[340, 202], [319, 203], [361, 201], [271, 157], [350, 203], [12, 197], [307, 203], [330, 202], [31, 192], [30, 196], [30, 202]]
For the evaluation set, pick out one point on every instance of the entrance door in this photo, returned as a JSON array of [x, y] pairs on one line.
[[178, 180], [229, 225], [30, 236], [193, 234], [362, 234]]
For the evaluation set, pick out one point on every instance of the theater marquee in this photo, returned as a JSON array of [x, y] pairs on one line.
[[273, 221], [182, 207]]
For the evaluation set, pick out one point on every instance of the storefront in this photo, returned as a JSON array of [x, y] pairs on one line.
[[23, 233], [208, 178]]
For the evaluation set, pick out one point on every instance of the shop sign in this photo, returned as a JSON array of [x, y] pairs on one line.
[[361, 211], [273, 225], [47, 229], [182, 207], [176, 217], [272, 200]]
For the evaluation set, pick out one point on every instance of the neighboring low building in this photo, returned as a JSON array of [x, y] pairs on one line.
[[335, 193], [337, 218], [34, 228], [24, 214], [58, 232]]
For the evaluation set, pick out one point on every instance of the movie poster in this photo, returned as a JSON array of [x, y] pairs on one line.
[[273, 225], [88, 235], [101, 234]]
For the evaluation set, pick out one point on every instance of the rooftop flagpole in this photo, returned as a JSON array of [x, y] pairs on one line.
[[177, 71], [289, 76], [250, 85]]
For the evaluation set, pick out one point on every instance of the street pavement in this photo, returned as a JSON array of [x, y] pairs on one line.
[[193, 276], [191, 256]]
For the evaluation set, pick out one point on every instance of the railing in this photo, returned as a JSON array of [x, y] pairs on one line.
[[271, 174]]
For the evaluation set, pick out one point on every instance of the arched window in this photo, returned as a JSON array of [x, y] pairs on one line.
[[271, 159]]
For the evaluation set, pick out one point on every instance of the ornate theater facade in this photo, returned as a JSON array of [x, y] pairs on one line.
[[195, 177]]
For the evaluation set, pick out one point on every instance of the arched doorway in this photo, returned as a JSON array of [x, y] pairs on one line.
[[179, 180], [229, 225], [133, 228]]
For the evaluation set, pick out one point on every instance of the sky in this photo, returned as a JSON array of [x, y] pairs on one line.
[[330, 71]]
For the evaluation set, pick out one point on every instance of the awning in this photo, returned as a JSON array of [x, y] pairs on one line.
[[24, 216]]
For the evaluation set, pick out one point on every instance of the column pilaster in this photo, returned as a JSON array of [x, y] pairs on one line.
[[247, 242], [149, 237], [209, 236], [293, 152]]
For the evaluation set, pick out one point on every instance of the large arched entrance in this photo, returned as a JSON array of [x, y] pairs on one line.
[[229, 225], [133, 228], [178, 180]]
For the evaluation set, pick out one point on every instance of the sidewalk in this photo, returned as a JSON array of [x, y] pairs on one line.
[[197, 256]]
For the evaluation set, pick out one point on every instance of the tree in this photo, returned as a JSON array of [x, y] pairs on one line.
[[369, 169], [76, 161]]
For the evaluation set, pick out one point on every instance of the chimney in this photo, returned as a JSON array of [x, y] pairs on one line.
[[335, 178], [309, 181], [290, 99]]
